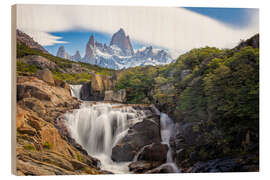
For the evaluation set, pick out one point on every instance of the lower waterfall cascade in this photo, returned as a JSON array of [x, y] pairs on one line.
[[167, 131], [99, 126]]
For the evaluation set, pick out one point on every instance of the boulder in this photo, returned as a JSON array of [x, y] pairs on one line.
[[143, 166], [62, 84], [139, 135], [123, 153], [46, 76], [118, 96], [154, 152]]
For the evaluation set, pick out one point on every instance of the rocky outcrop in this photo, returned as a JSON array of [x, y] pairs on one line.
[[42, 146], [23, 38], [122, 41], [254, 42], [39, 61], [118, 96], [90, 51], [99, 84], [46, 76], [139, 135]]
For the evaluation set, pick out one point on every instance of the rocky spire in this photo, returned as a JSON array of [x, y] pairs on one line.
[[122, 41], [89, 51], [62, 53], [91, 41]]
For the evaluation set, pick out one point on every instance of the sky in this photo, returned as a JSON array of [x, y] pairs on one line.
[[175, 29]]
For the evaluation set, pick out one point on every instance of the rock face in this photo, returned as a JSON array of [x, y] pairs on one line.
[[139, 135], [122, 41], [99, 84], [42, 146], [62, 53], [23, 38], [90, 50], [118, 96]]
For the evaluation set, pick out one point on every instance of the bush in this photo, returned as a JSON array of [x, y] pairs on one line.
[[47, 145]]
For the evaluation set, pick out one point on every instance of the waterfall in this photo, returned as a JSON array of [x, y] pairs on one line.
[[167, 131], [99, 127], [75, 90]]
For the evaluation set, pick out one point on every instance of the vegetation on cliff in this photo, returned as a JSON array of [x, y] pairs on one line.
[[217, 90]]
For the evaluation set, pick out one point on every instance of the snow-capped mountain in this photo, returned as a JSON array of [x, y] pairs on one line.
[[120, 53]]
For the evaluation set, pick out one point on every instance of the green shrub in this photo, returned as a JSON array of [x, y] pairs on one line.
[[29, 147], [47, 145]]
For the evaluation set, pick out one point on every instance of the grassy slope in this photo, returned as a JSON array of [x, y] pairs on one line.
[[75, 78]]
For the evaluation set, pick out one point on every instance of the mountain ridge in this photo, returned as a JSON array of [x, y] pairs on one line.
[[119, 54]]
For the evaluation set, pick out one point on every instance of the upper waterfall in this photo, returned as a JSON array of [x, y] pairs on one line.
[[76, 90]]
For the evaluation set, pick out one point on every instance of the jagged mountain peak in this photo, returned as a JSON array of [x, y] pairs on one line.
[[62, 53], [91, 40], [122, 41]]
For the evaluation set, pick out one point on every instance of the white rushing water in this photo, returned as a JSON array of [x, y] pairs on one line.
[[75, 90], [99, 127], [167, 131]]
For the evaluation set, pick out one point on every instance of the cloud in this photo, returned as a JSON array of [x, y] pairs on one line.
[[172, 28], [44, 38]]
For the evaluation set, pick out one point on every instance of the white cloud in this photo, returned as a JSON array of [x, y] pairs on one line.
[[44, 38], [172, 28]]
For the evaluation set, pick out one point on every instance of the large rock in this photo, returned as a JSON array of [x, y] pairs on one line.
[[149, 157], [139, 135], [122, 41], [40, 62], [118, 96], [99, 84], [154, 152], [143, 166], [46, 76]]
